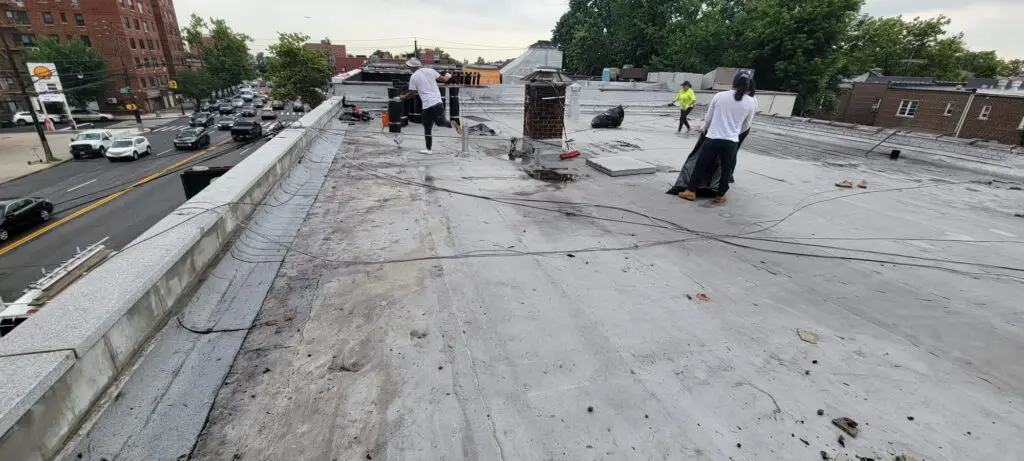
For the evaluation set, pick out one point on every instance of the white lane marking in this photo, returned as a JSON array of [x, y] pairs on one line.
[[81, 185], [243, 152], [1003, 233], [164, 152]]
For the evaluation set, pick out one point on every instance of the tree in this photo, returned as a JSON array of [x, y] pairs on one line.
[[195, 84], [981, 64], [82, 69], [1012, 68], [226, 56], [480, 60], [381, 54], [297, 72]]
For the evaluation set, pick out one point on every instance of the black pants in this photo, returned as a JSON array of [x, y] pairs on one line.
[[433, 115], [711, 152], [682, 119]]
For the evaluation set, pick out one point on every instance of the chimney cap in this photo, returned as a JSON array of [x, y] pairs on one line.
[[548, 74]]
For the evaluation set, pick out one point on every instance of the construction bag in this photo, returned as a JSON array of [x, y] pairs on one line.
[[611, 118]]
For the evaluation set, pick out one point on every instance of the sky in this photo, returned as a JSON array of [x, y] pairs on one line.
[[502, 29]]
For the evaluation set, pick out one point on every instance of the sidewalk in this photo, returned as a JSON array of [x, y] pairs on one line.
[[18, 149]]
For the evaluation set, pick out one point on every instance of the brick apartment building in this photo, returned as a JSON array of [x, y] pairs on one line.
[[974, 113], [337, 57], [140, 40], [15, 30]]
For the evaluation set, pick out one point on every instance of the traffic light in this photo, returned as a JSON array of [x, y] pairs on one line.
[[173, 84]]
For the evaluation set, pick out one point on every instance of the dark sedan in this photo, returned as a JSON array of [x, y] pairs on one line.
[[247, 111], [17, 214], [226, 109], [226, 123], [202, 119], [258, 103], [192, 138], [277, 105]]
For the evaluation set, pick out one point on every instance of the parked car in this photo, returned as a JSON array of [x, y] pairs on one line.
[[258, 103], [25, 118], [268, 114], [298, 107], [226, 123], [246, 130], [91, 143], [131, 147], [192, 138], [277, 105], [85, 115], [202, 119], [20, 213]]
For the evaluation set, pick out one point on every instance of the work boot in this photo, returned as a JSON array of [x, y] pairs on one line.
[[457, 126], [720, 200], [688, 195], [426, 152]]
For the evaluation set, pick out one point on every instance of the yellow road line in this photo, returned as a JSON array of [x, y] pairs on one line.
[[92, 206]]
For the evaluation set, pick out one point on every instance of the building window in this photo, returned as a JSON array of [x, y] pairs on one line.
[[138, 62], [136, 23], [70, 38], [63, 18], [150, 43], [142, 82], [18, 17], [74, 2], [122, 3], [140, 8], [131, 42], [985, 111], [85, 40], [79, 19], [47, 17], [152, 81], [127, 23], [949, 110], [148, 64], [145, 26], [908, 107], [28, 40]]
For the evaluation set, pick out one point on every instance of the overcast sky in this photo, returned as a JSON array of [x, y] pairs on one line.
[[501, 29]]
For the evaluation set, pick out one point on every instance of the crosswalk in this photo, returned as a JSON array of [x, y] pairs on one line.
[[165, 128]]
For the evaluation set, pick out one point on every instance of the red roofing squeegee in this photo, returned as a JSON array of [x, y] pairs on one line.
[[569, 155]]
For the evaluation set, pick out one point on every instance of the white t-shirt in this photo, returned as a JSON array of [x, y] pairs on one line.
[[726, 117], [424, 83]]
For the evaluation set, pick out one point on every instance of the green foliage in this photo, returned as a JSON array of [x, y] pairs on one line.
[[480, 60], [381, 54], [227, 57], [73, 59], [195, 84], [803, 46], [1012, 68], [295, 71]]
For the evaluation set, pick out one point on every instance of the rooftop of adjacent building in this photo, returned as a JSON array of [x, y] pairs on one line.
[[451, 306]]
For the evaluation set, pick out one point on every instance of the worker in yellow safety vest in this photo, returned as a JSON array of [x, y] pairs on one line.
[[686, 100]]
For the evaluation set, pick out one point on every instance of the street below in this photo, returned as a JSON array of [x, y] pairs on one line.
[[84, 184]]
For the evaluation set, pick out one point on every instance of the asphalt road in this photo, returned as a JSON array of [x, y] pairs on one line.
[[80, 186]]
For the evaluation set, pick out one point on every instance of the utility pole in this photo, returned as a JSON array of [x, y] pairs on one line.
[[28, 101], [416, 48]]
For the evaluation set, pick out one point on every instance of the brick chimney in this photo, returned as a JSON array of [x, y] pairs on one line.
[[428, 56], [544, 109]]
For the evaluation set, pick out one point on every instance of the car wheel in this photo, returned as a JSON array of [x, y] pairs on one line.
[[103, 151], [112, 159], [21, 123], [4, 235], [76, 156], [149, 150], [135, 155], [44, 215]]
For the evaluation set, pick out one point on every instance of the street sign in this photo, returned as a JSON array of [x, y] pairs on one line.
[[125, 90], [173, 84], [44, 77], [130, 106]]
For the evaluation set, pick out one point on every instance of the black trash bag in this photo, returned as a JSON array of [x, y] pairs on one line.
[[611, 118]]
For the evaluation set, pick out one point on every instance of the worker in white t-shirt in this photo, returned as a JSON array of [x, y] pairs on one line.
[[729, 115], [424, 83]]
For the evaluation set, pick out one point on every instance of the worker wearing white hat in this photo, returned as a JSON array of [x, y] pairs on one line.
[[424, 83]]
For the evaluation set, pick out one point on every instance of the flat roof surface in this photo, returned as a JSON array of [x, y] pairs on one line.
[[413, 322]]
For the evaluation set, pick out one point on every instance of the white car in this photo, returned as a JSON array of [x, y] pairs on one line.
[[25, 118], [85, 115], [131, 147]]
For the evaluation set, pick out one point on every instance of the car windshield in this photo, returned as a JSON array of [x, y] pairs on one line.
[[199, 116], [227, 119], [189, 133], [90, 137], [122, 143]]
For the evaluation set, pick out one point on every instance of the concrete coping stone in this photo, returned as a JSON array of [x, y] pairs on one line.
[[26, 378], [78, 318]]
